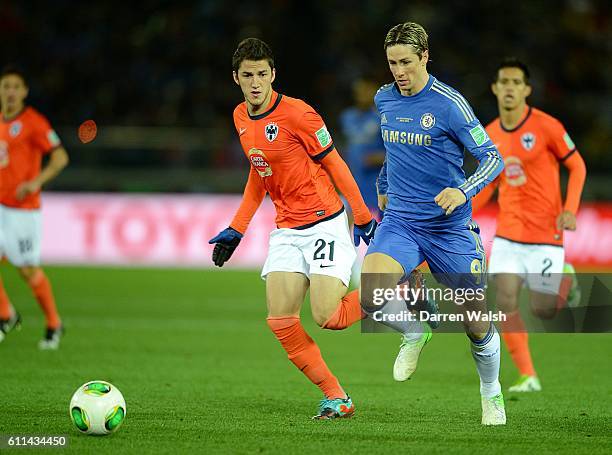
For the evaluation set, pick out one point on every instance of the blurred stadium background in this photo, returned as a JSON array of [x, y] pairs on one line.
[[157, 81]]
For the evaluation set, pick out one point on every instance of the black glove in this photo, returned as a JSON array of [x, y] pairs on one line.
[[225, 242]]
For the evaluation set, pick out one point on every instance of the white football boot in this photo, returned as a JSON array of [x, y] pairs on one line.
[[408, 356], [526, 383], [493, 410]]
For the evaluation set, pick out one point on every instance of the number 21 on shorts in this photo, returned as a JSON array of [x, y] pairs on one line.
[[324, 250]]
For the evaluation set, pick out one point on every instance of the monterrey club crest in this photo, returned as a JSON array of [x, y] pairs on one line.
[[271, 131], [260, 162], [528, 140], [428, 121], [15, 129]]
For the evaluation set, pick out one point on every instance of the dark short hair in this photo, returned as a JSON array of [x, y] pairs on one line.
[[13, 70], [512, 62], [252, 49]]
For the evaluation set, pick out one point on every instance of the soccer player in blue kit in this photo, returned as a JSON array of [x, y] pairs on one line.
[[426, 126]]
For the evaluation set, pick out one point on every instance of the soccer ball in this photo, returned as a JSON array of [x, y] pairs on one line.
[[97, 407]]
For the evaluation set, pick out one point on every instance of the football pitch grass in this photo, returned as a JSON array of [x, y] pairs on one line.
[[201, 372]]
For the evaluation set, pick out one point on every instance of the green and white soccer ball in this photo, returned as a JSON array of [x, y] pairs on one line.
[[97, 407]]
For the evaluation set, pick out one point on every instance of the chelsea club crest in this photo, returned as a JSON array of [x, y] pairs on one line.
[[271, 131], [428, 121]]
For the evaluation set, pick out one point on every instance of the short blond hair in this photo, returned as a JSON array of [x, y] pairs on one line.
[[409, 33]]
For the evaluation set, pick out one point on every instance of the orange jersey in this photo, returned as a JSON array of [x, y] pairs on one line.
[[23, 142], [529, 189], [284, 146]]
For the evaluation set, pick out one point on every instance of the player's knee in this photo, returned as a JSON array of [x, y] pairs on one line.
[[544, 306], [321, 316], [371, 296], [506, 300], [28, 273], [476, 330], [324, 301], [320, 320], [368, 303], [332, 324], [336, 321], [544, 312]]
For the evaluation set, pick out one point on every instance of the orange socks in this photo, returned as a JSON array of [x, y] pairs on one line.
[[347, 313], [303, 351], [41, 288], [5, 304], [305, 354], [517, 341]]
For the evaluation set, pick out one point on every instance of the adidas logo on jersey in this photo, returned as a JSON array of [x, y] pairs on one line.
[[383, 119]]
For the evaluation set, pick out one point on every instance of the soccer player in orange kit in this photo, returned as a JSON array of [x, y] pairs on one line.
[[528, 244], [25, 136], [294, 160]]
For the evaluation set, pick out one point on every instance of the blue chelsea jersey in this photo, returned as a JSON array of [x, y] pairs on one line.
[[425, 136]]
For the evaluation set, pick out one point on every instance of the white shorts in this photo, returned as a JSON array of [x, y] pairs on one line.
[[323, 249], [540, 266], [20, 236]]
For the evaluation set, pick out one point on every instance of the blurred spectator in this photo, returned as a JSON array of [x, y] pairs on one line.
[[364, 150]]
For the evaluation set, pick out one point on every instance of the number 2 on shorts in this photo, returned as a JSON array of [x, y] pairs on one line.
[[546, 264]]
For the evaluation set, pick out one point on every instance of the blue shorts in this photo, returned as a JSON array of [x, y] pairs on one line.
[[454, 254]]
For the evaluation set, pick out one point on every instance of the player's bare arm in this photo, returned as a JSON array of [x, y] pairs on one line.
[[58, 160], [577, 175]]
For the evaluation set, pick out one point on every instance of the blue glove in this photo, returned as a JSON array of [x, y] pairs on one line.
[[226, 242], [364, 232]]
